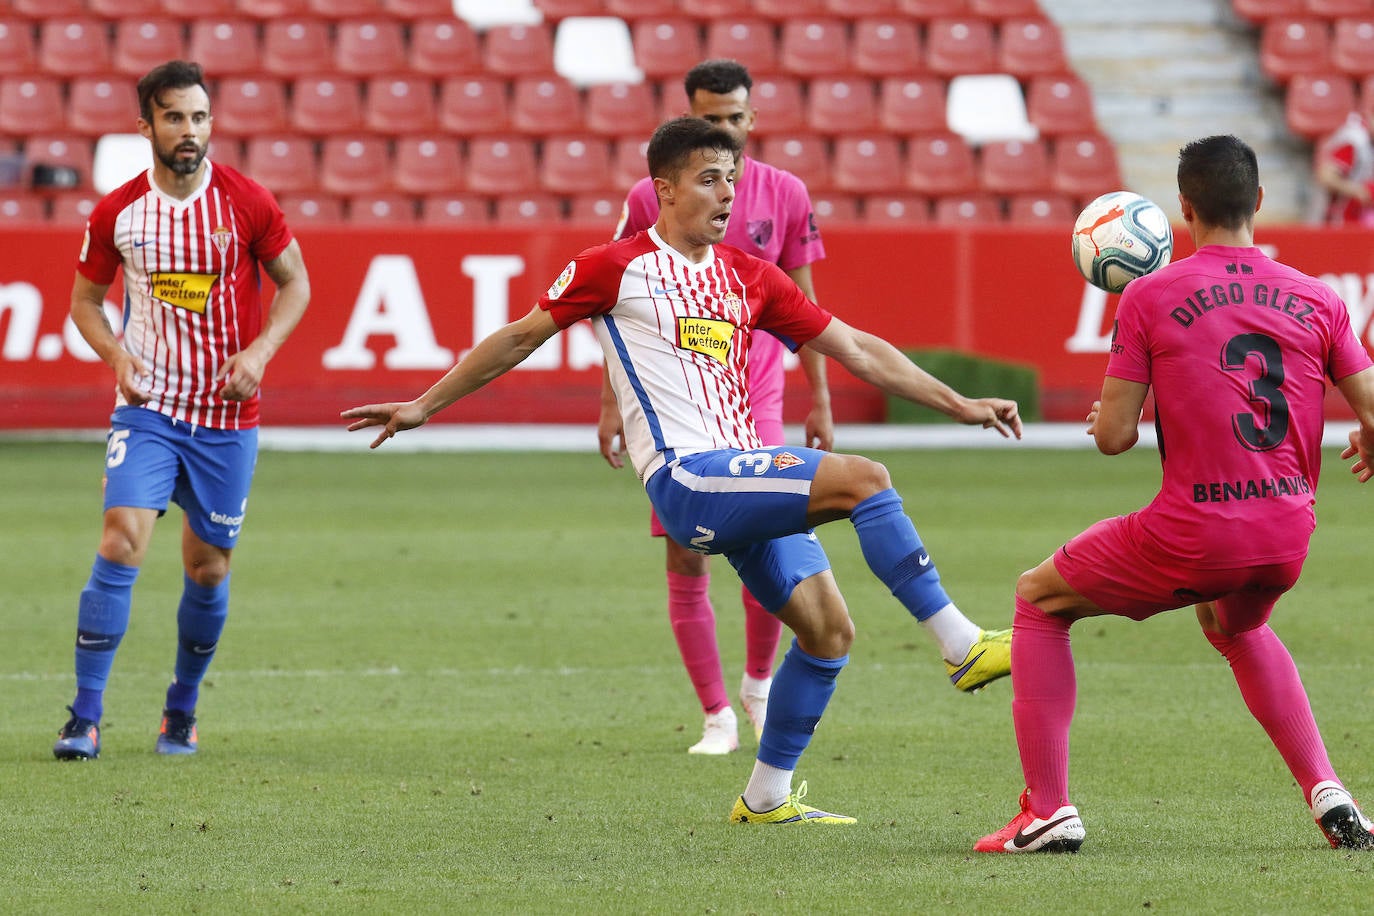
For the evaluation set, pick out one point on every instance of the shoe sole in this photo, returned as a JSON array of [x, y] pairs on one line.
[[1343, 829], [66, 754]]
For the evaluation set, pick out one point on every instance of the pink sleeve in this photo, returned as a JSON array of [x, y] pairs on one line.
[[1348, 354], [801, 244], [1130, 349], [641, 209]]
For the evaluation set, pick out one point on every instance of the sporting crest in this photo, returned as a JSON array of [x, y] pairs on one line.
[[784, 460]]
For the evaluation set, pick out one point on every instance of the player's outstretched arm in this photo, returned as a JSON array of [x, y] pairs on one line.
[[883, 366], [491, 358], [1358, 390]]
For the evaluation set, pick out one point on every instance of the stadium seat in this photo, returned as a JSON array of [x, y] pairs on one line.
[[1061, 104], [837, 105], [833, 207], [811, 47], [225, 47], [455, 210], [343, 9], [750, 40], [501, 165], [48, 9], [399, 104], [474, 105], [122, 9], [887, 47], [326, 104], [1014, 167], [282, 163], [1004, 9], [1045, 209], [118, 158], [1317, 104], [542, 105], [985, 107], [18, 50], [592, 50], [779, 104], [73, 46], [1260, 11], [1291, 46], [411, 10], [73, 157], [297, 47], [900, 209], [271, 9], [1084, 166], [613, 109], [575, 165], [1352, 46], [305, 208], [380, 209], [666, 48], [355, 164], [369, 47], [1335, 9], [932, 9], [101, 105], [530, 207], [19, 208], [867, 163], [558, 10], [32, 105], [444, 47], [854, 9], [713, 10], [967, 209], [784, 10], [1031, 47], [427, 164], [912, 104], [72, 208], [226, 151], [805, 155], [632, 10], [142, 44], [518, 50], [940, 163], [246, 105], [596, 208], [956, 46], [628, 162]]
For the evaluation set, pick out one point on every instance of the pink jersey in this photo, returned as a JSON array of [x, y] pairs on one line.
[[771, 219], [191, 286], [676, 337], [1238, 349]]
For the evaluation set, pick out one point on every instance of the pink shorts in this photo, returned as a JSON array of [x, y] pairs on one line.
[[1116, 567], [770, 433]]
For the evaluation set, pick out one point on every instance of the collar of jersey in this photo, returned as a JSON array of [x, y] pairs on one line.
[[679, 256]]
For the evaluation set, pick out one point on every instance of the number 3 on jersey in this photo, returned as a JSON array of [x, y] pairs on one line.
[[1264, 391]]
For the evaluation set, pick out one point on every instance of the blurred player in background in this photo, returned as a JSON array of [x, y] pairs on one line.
[[1229, 529], [190, 236], [772, 219], [674, 312], [1344, 169]]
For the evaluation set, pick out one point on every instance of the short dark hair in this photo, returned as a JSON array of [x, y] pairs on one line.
[[675, 141], [720, 77], [175, 74], [1219, 176]]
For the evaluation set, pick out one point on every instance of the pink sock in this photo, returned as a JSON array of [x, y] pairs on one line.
[[1274, 694], [694, 628], [1044, 691], [762, 631]]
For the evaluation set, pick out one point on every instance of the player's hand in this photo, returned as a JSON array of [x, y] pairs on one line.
[[993, 413], [392, 417], [1362, 449], [1092, 417], [241, 374], [610, 436], [128, 370], [820, 429]]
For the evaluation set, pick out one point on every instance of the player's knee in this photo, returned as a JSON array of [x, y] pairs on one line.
[[119, 545], [207, 572], [857, 480]]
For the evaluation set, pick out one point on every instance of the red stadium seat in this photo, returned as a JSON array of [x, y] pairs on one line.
[[805, 155], [417, 9], [940, 163], [355, 164], [836, 105], [1352, 46], [887, 47], [811, 47], [100, 105], [225, 47], [326, 104], [227, 151], [192, 10], [48, 9], [628, 162], [62, 151], [1317, 104], [474, 105], [1291, 46], [613, 109], [141, 45], [955, 46], [1085, 166], [575, 165], [32, 104], [272, 9], [543, 105], [381, 209], [18, 50], [712, 10], [900, 209], [501, 165], [428, 164], [854, 9], [1335, 9], [555, 10], [833, 207], [784, 10], [72, 47], [1031, 47], [303, 208], [1045, 209], [666, 48], [1061, 104], [526, 208], [912, 104], [779, 104], [18, 208], [1262, 10], [518, 50], [369, 47], [246, 105], [399, 104], [341, 9], [121, 9], [444, 47], [1014, 167], [1004, 9], [867, 163], [631, 10], [596, 208], [932, 9], [750, 40], [282, 163], [296, 47], [455, 210], [967, 209], [72, 208]]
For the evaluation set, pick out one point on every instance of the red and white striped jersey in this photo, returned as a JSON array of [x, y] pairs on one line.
[[676, 338], [192, 290]]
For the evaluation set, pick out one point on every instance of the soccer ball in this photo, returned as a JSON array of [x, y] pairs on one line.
[[1118, 237]]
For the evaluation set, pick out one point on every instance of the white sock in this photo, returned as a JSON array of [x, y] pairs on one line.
[[953, 632], [768, 787], [755, 687]]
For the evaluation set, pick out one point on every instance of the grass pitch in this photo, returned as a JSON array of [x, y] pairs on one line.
[[448, 685]]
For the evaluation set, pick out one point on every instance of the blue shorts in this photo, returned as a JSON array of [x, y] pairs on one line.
[[749, 506], [151, 458]]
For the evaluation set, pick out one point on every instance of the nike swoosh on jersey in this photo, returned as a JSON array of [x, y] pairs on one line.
[[1023, 839]]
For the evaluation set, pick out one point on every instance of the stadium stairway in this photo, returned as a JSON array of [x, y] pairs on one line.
[[1167, 71]]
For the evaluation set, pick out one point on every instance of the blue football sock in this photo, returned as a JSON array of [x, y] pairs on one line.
[[102, 618], [894, 552], [200, 621], [801, 690]]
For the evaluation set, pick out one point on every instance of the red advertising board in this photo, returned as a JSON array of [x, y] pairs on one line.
[[391, 310]]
